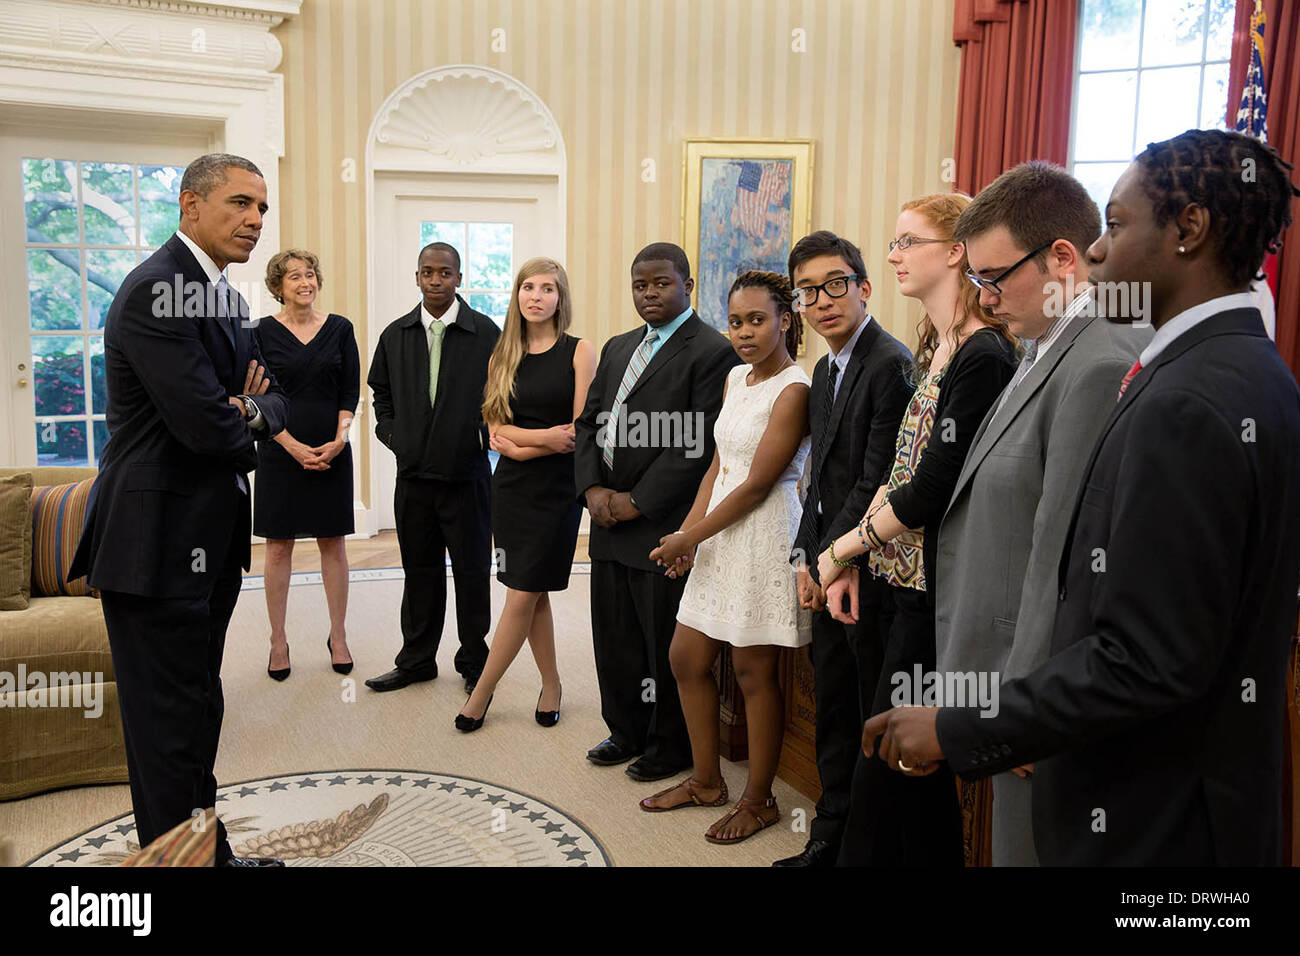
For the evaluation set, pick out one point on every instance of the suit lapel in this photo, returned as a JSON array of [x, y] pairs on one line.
[[193, 272], [675, 344], [851, 372], [996, 425]]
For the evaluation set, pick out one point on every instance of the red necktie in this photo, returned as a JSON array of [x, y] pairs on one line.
[[1128, 377]]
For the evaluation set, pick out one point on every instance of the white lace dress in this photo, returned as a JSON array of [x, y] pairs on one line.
[[742, 589]]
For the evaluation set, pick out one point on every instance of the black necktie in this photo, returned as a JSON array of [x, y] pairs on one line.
[[819, 449]]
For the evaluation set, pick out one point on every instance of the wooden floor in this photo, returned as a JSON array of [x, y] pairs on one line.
[[380, 551]]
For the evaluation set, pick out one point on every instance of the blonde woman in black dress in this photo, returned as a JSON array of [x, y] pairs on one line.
[[536, 386], [304, 474]]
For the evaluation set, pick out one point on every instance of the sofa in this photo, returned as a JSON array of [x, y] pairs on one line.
[[45, 747]]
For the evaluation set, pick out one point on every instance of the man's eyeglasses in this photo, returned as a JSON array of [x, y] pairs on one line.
[[908, 241], [806, 295], [992, 284]]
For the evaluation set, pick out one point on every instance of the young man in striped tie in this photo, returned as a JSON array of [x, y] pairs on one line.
[[644, 441]]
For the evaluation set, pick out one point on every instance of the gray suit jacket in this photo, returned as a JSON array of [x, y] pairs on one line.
[[1001, 538]]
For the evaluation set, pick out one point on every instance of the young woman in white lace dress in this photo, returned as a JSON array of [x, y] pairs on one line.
[[737, 539]]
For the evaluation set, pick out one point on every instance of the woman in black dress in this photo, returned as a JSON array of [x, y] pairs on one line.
[[537, 385], [304, 474]]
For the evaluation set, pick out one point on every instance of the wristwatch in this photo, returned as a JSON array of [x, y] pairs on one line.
[[251, 410]]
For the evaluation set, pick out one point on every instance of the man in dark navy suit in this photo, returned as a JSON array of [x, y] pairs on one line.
[[1156, 727], [167, 529]]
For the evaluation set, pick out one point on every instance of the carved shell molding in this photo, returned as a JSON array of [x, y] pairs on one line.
[[464, 115]]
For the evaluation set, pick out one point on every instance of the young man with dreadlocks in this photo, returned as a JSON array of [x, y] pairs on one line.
[[1157, 726]]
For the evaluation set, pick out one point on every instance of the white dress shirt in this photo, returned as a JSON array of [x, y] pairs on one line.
[[427, 319], [1190, 318]]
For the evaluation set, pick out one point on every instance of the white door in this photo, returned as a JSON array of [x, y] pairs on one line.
[[495, 232], [79, 208]]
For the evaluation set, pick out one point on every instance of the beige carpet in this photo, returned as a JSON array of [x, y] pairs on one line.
[[317, 721]]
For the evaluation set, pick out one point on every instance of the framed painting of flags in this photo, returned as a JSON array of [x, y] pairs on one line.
[[746, 202]]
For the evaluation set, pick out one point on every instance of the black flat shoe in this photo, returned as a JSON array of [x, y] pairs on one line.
[[252, 861], [549, 718], [467, 725], [279, 673], [647, 769], [817, 854], [607, 753], [338, 668], [398, 678]]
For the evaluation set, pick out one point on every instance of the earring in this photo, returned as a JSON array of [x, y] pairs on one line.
[[1181, 250]]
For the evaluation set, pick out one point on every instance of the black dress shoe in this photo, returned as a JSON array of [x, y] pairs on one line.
[[467, 725], [548, 718], [817, 853], [338, 668], [251, 861], [647, 769], [398, 678], [607, 753], [280, 673]]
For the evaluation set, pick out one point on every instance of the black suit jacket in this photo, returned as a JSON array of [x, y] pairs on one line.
[[166, 498], [448, 442], [1163, 703], [685, 378], [852, 452]]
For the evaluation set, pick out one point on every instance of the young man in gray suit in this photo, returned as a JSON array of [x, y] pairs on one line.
[[1025, 236]]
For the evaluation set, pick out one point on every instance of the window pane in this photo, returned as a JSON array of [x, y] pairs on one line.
[[452, 233], [105, 270], [1174, 33], [54, 288], [59, 370], [1110, 34], [108, 200], [1099, 179], [1222, 16], [491, 304], [101, 437], [1214, 97], [61, 443], [1105, 116], [490, 249], [98, 392], [160, 190], [50, 200], [1168, 104]]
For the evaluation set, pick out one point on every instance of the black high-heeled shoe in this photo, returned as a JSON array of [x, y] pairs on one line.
[[279, 673], [549, 718], [467, 725], [338, 668]]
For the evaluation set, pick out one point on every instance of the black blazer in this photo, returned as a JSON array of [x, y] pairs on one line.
[[166, 498], [448, 442], [685, 378], [1163, 703], [851, 454]]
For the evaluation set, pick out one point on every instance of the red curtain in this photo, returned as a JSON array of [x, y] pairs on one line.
[[1282, 82], [1017, 80]]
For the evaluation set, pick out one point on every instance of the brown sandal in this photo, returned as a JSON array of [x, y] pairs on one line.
[[690, 783], [745, 805]]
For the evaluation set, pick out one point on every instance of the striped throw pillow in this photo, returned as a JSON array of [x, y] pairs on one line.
[[191, 842], [58, 512]]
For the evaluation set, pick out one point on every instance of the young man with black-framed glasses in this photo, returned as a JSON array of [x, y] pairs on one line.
[[859, 392]]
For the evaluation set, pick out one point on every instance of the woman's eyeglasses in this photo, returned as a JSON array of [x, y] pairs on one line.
[[906, 242]]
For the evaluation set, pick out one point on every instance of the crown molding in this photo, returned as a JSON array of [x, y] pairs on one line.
[[270, 12]]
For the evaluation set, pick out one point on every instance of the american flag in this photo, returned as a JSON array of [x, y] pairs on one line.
[[759, 185], [1252, 115]]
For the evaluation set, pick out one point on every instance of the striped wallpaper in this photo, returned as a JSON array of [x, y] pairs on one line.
[[628, 80]]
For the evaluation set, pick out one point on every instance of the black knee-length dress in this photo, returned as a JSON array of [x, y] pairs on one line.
[[321, 378], [535, 509]]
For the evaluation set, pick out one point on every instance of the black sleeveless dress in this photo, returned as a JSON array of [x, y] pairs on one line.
[[321, 378], [535, 509]]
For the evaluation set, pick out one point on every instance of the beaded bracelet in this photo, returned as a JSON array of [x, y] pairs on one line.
[[836, 561]]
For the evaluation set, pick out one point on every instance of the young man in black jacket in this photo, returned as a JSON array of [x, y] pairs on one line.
[[859, 392], [428, 374]]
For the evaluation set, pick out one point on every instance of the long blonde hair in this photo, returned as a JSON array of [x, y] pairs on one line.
[[512, 345], [943, 210]]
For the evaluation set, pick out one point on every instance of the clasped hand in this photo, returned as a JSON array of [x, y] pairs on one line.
[[676, 552]]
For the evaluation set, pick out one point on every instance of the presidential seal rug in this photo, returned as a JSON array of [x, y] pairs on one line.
[[370, 818]]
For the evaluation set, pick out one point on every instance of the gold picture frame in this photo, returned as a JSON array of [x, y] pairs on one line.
[[754, 199]]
